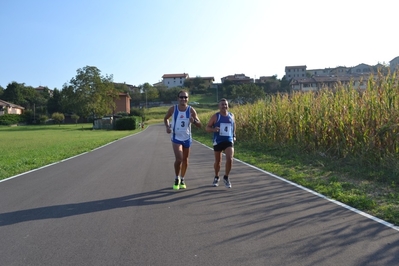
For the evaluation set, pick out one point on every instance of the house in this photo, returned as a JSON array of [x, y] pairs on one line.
[[361, 68], [174, 80], [319, 72], [394, 64], [316, 83], [339, 71], [42, 89], [10, 108], [122, 103], [295, 72], [238, 78], [265, 79]]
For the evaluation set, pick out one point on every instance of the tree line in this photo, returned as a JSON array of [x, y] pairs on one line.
[[91, 95], [88, 95]]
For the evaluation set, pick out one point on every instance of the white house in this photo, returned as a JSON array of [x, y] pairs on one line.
[[295, 72], [174, 80]]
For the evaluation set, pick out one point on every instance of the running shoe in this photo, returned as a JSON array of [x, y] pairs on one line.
[[227, 182], [182, 184], [176, 184], [215, 181]]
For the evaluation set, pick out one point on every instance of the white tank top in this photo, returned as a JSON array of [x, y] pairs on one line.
[[181, 125]]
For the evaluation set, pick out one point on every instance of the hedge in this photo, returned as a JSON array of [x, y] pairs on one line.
[[125, 123], [10, 119]]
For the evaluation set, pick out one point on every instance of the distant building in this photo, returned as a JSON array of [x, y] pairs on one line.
[[394, 64], [295, 72], [361, 69], [340, 71], [10, 108], [174, 80], [42, 90], [122, 103], [316, 83], [319, 72], [264, 79], [237, 78]]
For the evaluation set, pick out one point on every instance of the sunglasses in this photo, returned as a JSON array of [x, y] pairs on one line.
[[183, 97]]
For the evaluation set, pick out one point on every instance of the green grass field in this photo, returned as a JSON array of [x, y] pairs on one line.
[[28, 147]]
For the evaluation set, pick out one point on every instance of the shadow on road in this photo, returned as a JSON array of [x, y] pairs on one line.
[[160, 196]]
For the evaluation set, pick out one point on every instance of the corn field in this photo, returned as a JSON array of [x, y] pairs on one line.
[[338, 122]]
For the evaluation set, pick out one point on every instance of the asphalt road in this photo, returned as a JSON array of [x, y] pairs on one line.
[[115, 206]]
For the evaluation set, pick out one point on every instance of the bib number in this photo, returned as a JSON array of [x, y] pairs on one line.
[[225, 130], [182, 124]]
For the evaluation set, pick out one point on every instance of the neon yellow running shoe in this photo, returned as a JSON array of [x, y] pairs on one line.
[[182, 184], [176, 184]]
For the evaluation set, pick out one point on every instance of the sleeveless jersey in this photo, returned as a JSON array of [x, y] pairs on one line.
[[181, 127], [226, 125]]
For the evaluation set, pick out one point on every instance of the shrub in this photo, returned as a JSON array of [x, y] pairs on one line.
[[43, 119], [138, 112], [10, 119], [58, 117], [27, 117], [122, 114], [75, 118], [125, 123]]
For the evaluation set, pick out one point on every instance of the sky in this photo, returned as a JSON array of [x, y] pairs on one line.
[[45, 42]]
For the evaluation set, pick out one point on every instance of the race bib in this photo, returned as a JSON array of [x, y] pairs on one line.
[[225, 129], [182, 124]]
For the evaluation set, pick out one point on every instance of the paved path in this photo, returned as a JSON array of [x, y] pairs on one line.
[[115, 206]]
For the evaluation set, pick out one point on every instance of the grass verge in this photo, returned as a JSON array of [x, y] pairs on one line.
[[24, 148]]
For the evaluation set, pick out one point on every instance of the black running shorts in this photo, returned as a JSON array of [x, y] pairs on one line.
[[222, 146]]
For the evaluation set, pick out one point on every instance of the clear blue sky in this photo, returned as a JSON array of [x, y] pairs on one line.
[[44, 42]]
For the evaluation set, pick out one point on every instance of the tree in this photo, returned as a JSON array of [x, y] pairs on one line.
[[247, 93], [150, 93], [43, 119], [93, 95], [58, 117], [168, 95], [285, 84], [14, 93], [121, 87], [27, 97], [45, 93], [67, 96], [35, 101], [75, 118], [1, 90], [196, 85], [54, 102], [135, 96]]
